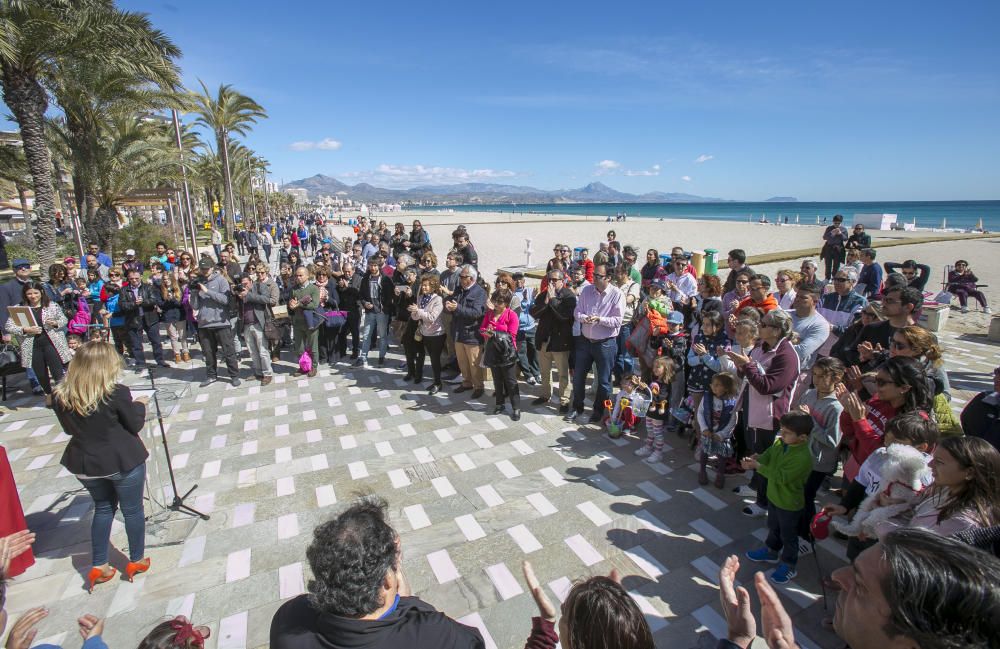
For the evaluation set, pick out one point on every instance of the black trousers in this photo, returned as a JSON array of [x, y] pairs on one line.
[[353, 328], [45, 360], [527, 355], [782, 533], [434, 347], [413, 350], [328, 339], [813, 483], [832, 259], [212, 340], [505, 384], [135, 341]]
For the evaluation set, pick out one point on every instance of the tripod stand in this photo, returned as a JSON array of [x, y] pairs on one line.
[[177, 504]]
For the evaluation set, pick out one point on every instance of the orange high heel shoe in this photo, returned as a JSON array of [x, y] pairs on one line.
[[133, 569], [97, 576]]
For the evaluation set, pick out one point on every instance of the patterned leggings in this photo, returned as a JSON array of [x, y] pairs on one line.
[[654, 434]]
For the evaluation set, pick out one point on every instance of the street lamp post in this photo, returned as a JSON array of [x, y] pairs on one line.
[[187, 193]]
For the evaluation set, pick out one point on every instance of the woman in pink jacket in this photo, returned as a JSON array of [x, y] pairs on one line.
[[499, 330]]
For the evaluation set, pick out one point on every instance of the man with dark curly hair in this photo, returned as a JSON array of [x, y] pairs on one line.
[[358, 596]]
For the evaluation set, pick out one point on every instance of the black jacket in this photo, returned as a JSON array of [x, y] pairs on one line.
[[468, 317], [10, 295], [350, 294], [386, 292], [151, 299], [555, 320], [106, 441], [981, 418], [413, 625]]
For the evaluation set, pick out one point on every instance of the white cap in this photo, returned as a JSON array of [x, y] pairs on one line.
[[130, 253]]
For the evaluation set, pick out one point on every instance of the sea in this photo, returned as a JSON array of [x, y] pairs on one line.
[[952, 215]]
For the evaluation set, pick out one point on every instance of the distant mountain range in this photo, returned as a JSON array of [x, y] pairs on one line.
[[488, 193]]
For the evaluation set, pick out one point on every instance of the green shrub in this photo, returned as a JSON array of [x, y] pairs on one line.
[[141, 236]]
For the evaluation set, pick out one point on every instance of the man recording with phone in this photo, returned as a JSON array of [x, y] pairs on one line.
[[210, 295]]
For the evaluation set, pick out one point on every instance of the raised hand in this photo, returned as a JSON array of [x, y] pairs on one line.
[[90, 626], [545, 608], [778, 630], [13, 545], [742, 627], [23, 633]]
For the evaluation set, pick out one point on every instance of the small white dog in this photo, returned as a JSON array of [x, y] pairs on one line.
[[904, 474]]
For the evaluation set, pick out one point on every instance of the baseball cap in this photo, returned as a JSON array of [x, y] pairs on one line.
[[205, 263], [130, 253], [21, 263], [676, 317], [658, 283], [518, 276], [67, 260]]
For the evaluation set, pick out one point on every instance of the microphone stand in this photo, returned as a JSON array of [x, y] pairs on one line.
[[178, 503]]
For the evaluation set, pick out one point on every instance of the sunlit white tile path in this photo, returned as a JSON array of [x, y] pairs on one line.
[[472, 496]]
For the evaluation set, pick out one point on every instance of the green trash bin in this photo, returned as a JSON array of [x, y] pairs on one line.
[[711, 261]]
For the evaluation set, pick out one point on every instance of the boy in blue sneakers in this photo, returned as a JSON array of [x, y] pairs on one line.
[[786, 465]]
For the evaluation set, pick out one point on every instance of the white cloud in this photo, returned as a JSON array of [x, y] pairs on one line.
[[326, 144], [652, 171], [395, 176], [605, 167], [686, 179], [704, 157]]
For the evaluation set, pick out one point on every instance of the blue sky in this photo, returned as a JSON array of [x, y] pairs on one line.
[[839, 101]]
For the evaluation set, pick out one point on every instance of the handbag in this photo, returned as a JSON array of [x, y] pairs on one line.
[[280, 311], [335, 319], [10, 357], [271, 332], [638, 342], [314, 319]]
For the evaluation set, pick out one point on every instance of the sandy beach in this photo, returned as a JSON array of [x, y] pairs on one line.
[[500, 240]]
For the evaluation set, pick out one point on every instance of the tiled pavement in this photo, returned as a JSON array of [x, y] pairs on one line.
[[472, 495]]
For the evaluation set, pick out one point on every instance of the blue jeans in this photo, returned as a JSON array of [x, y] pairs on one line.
[[624, 363], [372, 320], [124, 489], [587, 353]]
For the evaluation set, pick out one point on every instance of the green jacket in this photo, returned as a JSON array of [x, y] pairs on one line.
[[786, 469], [300, 292]]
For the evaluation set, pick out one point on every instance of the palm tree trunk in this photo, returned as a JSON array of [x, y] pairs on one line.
[[23, 197], [28, 101], [228, 181], [106, 223]]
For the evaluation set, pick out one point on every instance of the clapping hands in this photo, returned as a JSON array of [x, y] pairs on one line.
[[742, 627]]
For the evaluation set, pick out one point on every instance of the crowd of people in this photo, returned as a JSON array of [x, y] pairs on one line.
[[787, 383]]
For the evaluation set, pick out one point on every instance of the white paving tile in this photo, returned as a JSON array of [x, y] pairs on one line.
[[325, 496], [358, 470], [399, 478], [584, 550], [290, 581], [463, 461], [505, 583], [443, 486], [238, 565], [646, 562], [508, 469], [417, 517], [442, 566], [594, 513], [489, 495], [285, 486], [476, 620], [233, 632], [470, 527], [288, 526], [524, 539], [541, 504], [654, 492], [710, 532]]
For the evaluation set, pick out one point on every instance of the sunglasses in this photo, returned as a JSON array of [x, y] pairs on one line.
[[742, 281]]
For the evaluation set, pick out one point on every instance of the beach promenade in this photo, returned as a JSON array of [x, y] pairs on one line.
[[472, 495]]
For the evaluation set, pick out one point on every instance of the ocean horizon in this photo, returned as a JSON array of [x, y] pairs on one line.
[[963, 215]]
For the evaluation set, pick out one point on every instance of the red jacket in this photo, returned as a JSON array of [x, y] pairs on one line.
[[769, 304], [863, 437]]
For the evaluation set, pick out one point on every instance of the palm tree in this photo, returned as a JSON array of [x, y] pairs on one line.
[[227, 112], [14, 169], [37, 36]]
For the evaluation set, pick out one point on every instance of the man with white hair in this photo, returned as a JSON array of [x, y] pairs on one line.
[[468, 306], [842, 305]]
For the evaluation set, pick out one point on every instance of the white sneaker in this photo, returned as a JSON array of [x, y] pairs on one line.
[[987, 310], [455, 381], [654, 457], [754, 511], [805, 547], [744, 491], [643, 451], [965, 309]]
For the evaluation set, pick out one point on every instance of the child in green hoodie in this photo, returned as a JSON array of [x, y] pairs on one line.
[[786, 465]]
